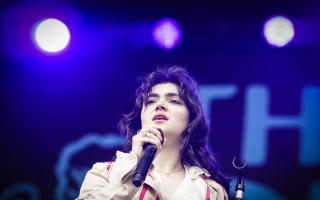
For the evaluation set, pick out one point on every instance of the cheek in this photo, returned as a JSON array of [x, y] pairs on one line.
[[184, 117], [187, 118], [144, 116]]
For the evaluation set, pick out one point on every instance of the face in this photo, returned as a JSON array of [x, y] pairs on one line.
[[165, 109]]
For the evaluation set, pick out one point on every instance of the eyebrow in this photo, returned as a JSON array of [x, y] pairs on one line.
[[170, 94]]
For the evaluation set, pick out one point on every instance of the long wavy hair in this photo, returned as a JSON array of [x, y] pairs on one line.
[[195, 149]]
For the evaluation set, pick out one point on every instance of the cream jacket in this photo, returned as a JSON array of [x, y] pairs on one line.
[[112, 180]]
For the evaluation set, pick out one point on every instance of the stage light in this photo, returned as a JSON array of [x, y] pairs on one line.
[[51, 35], [167, 34], [278, 31]]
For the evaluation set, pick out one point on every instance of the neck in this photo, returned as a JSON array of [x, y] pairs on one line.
[[168, 159]]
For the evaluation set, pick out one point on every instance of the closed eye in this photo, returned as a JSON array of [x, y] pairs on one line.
[[175, 101], [150, 102]]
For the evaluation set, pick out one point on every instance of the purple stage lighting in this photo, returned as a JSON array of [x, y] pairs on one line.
[[167, 34], [51, 35], [278, 31]]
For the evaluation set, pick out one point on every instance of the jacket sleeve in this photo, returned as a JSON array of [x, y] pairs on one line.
[[110, 182]]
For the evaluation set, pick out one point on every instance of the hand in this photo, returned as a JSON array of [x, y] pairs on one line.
[[149, 135]]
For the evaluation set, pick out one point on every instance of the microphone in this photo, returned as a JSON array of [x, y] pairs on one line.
[[149, 151]]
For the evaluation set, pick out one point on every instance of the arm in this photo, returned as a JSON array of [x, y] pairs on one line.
[[113, 183]]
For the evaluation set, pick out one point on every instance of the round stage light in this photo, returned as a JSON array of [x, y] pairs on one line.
[[278, 31], [51, 35], [167, 34]]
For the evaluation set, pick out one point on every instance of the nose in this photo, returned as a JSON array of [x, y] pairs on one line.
[[161, 106]]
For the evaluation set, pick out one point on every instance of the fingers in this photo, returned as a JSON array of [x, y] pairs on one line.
[[152, 139], [151, 135], [146, 135], [151, 132]]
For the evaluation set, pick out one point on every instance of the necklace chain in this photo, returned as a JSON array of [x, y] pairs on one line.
[[168, 173]]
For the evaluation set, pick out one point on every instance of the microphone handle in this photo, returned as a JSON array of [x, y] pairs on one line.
[[144, 165]]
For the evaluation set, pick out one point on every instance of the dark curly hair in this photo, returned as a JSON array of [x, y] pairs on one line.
[[195, 150]]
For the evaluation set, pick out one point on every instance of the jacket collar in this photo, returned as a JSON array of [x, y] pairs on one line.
[[195, 172]]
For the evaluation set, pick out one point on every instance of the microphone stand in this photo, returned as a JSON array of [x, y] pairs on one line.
[[240, 167]]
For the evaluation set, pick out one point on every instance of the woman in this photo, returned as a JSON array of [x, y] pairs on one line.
[[184, 166]]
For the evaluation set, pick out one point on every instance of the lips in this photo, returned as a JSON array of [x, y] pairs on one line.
[[159, 117]]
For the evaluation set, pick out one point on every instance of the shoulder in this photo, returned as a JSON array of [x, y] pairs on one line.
[[102, 166], [100, 169], [97, 176], [216, 188], [196, 172], [213, 188]]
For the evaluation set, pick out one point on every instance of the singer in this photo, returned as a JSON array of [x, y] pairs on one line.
[[167, 113]]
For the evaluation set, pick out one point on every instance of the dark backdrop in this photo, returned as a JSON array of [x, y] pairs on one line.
[[59, 113]]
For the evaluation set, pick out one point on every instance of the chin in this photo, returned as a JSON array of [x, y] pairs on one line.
[[161, 126]]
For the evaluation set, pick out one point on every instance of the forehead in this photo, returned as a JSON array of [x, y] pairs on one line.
[[163, 88]]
